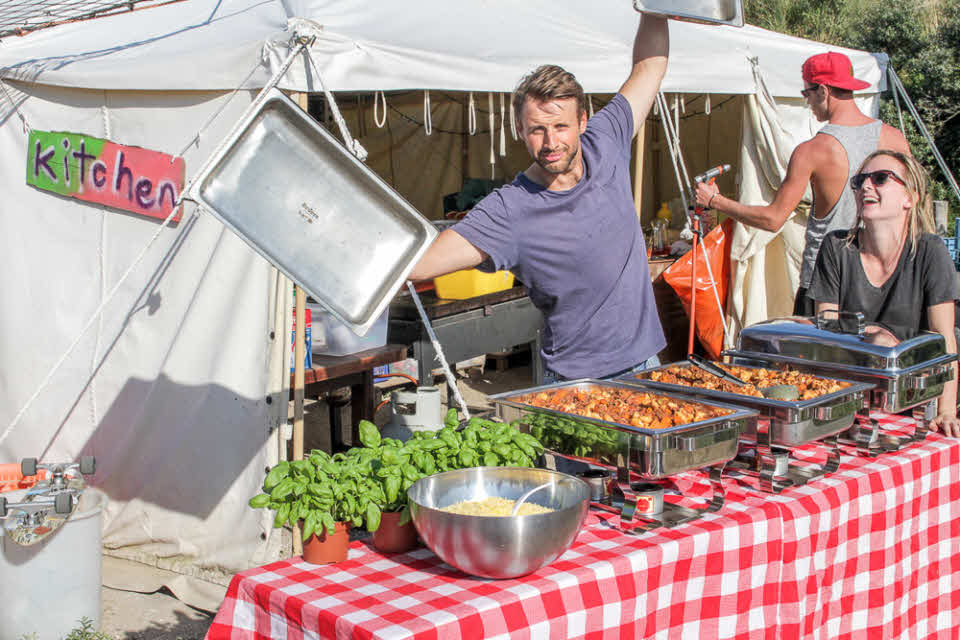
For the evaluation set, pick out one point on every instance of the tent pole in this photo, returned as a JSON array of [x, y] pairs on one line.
[[299, 355], [638, 153]]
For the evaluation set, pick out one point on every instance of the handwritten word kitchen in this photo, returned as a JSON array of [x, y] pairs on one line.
[[96, 170]]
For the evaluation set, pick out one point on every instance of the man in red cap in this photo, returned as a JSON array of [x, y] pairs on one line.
[[826, 162]]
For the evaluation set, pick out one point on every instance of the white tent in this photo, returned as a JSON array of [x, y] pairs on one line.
[[179, 386]]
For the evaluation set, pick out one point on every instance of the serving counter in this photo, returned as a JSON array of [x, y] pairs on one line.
[[870, 551]]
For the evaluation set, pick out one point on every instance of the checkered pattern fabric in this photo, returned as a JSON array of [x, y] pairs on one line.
[[872, 551]]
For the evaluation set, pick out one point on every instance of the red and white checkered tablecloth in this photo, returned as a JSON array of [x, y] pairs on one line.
[[872, 551]]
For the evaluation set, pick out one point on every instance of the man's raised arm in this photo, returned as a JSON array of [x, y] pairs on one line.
[[651, 46]]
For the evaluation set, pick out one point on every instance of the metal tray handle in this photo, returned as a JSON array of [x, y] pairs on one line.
[[702, 440], [928, 380], [845, 321], [830, 412]]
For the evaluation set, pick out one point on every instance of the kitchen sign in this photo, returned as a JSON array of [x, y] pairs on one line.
[[97, 170]]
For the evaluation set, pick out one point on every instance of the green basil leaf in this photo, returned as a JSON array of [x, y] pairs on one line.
[[369, 434], [259, 501], [373, 517]]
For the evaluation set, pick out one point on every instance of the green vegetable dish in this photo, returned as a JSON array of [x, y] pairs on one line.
[[355, 487]]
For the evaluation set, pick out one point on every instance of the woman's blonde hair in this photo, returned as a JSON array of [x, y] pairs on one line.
[[920, 218]]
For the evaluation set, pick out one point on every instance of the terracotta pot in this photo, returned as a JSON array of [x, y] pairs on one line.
[[390, 537], [327, 549]]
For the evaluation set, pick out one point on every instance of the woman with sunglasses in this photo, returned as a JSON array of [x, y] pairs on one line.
[[891, 266]]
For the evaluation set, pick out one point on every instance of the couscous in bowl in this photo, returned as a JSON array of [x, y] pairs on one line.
[[491, 546]]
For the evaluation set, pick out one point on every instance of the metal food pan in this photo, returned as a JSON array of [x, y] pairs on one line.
[[893, 391], [729, 12], [650, 453], [305, 203], [793, 423]]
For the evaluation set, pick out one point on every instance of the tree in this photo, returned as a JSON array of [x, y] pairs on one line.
[[923, 42]]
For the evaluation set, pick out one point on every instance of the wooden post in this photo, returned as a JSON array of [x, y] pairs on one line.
[[299, 355], [638, 168]]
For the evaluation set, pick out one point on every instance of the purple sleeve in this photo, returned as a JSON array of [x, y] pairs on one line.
[[488, 228], [614, 122]]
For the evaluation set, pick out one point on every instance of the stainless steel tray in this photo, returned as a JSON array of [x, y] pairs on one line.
[[904, 376], [792, 423], [296, 195], [710, 11], [650, 453]]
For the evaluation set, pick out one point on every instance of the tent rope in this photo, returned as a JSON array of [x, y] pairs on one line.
[[513, 122], [492, 124], [471, 115], [96, 314], [23, 120], [195, 140], [503, 132], [589, 106], [427, 116], [376, 103], [351, 143]]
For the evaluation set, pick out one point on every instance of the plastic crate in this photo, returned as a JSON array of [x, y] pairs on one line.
[[470, 283], [951, 247]]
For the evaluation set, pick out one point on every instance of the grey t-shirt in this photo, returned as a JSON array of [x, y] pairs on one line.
[[921, 280], [581, 253]]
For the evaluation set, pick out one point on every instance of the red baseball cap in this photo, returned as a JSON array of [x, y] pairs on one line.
[[832, 69]]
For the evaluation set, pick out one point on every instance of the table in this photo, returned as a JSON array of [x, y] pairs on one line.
[[871, 551], [466, 328], [355, 371]]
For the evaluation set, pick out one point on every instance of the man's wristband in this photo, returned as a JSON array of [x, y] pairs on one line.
[[710, 201]]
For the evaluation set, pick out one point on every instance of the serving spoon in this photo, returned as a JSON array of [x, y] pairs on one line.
[[774, 392], [524, 497]]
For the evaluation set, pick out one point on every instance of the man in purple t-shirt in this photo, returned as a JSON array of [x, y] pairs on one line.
[[566, 226]]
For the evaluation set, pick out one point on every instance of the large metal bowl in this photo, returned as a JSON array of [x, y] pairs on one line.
[[492, 546]]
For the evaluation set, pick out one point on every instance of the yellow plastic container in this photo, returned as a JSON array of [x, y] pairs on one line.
[[470, 283]]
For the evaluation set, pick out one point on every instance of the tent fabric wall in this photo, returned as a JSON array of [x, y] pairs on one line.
[[178, 388], [765, 269]]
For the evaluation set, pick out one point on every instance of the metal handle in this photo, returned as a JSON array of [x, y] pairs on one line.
[[928, 380], [701, 440], [831, 412], [842, 320]]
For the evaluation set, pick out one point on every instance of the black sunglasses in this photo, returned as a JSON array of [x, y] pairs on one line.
[[806, 92], [878, 178]]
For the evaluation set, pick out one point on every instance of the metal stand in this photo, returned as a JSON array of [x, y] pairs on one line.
[[871, 441], [624, 499], [773, 466]]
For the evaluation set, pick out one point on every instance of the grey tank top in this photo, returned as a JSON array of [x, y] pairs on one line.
[[859, 142]]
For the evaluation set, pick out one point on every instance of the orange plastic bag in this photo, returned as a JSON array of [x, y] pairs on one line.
[[710, 321]]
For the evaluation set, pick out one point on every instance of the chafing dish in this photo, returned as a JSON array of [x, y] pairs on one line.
[[782, 425], [645, 452], [909, 374]]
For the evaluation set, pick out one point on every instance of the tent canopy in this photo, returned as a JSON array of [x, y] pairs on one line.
[[462, 46]]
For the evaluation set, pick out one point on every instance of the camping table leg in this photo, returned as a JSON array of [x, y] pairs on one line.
[[361, 405]]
